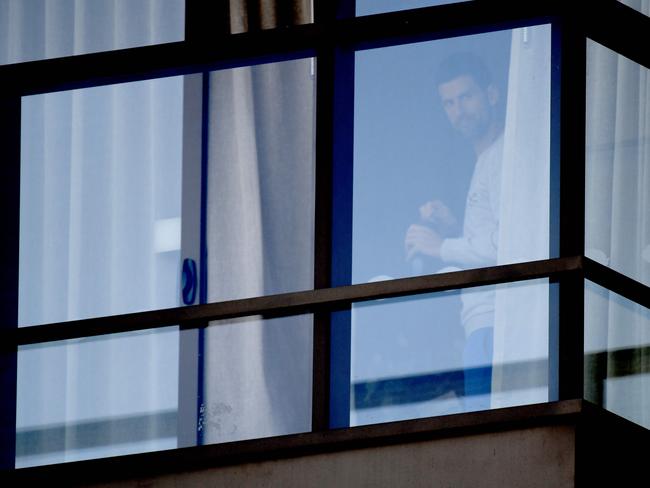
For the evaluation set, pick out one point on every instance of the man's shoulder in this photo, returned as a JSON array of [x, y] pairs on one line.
[[494, 150], [492, 157]]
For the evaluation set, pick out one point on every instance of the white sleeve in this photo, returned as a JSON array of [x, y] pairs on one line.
[[477, 251], [478, 244]]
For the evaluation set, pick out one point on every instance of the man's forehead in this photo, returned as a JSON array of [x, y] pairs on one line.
[[458, 85]]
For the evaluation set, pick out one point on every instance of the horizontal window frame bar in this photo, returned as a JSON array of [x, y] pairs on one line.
[[151, 62], [309, 301], [234, 50], [197, 53], [329, 299], [628, 41], [617, 282]]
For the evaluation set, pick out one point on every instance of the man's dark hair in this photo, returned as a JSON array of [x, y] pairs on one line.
[[463, 64]]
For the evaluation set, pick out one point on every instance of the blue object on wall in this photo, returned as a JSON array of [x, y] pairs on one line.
[[189, 281]]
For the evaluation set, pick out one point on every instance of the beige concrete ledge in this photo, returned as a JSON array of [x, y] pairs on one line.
[[561, 444]]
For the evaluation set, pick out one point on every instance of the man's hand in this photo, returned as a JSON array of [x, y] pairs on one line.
[[437, 213], [422, 240]]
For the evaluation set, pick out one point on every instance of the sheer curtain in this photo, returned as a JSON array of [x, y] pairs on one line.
[[618, 228], [100, 222], [521, 310], [260, 239], [40, 29]]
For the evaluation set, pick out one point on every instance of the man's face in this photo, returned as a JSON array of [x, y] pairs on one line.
[[468, 106]]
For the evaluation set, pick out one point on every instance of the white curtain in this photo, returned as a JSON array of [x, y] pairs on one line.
[[100, 233], [521, 310], [618, 228], [41, 29], [260, 241], [260, 236]]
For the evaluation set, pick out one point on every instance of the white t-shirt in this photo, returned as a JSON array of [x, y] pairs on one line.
[[477, 247]]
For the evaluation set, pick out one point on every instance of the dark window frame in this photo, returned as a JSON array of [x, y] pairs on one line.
[[332, 39]]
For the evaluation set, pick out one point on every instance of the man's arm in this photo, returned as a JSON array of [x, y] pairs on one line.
[[423, 240], [467, 251], [478, 250]]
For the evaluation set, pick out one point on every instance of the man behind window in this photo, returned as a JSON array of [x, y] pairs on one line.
[[469, 98]]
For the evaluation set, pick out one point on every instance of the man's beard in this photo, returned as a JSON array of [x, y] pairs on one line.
[[473, 128]]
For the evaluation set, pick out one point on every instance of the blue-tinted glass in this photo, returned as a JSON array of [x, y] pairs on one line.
[[451, 154], [618, 163], [100, 208], [451, 171], [367, 7], [412, 357], [39, 29], [97, 397], [617, 354]]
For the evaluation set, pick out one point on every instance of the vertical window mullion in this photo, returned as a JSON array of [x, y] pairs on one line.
[[10, 204], [333, 232], [328, 10], [571, 150], [341, 273], [205, 20], [323, 235]]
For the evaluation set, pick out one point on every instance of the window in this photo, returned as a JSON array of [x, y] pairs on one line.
[[37, 29], [102, 233], [253, 176], [432, 158], [617, 181]]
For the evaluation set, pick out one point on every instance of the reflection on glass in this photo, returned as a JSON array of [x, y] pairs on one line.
[[367, 7], [97, 397], [40, 29], [618, 163], [100, 201], [258, 376], [411, 357], [260, 241], [617, 354]]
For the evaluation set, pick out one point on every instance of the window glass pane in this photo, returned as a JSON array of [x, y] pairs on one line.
[[617, 354], [97, 397], [100, 201], [367, 7], [119, 394], [260, 241], [38, 29], [451, 154], [618, 163], [257, 378], [642, 6], [260, 205], [411, 357]]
